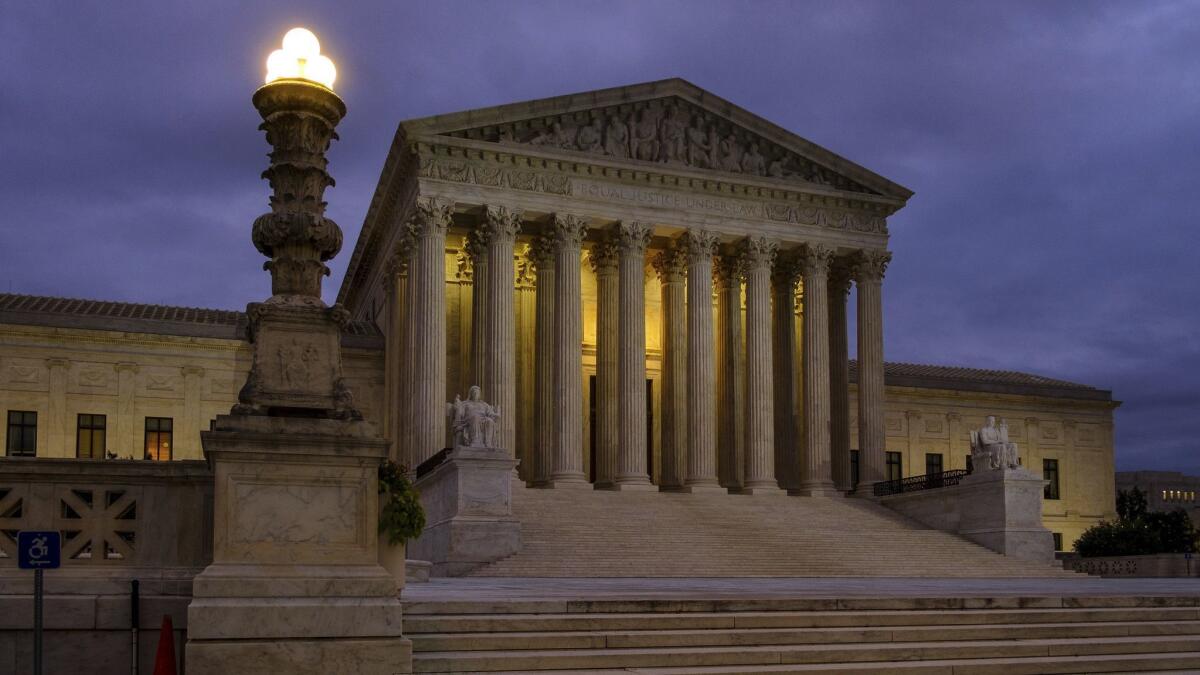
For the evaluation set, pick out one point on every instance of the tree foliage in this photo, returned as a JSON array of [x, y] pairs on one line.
[[401, 516], [1138, 531]]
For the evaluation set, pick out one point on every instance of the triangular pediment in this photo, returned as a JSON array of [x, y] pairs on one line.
[[666, 123]]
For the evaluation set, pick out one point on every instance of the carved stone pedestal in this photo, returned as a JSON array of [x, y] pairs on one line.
[[468, 511], [295, 585], [1002, 510]]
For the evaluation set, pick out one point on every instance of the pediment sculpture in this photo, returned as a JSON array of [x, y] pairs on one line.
[[990, 448], [668, 130], [473, 421]]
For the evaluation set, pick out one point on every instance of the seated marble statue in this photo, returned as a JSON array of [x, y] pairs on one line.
[[991, 449], [473, 422]]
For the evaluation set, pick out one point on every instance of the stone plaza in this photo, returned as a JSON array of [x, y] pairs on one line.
[[608, 336]]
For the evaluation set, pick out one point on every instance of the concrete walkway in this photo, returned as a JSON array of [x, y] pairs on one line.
[[526, 589]]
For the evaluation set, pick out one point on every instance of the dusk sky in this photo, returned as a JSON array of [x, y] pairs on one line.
[[1054, 148]]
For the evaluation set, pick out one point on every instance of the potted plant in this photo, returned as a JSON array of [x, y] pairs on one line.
[[400, 517]]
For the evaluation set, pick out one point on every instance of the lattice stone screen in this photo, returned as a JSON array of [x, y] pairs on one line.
[[110, 512]]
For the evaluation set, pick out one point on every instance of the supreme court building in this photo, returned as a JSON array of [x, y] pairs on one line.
[[651, 283]]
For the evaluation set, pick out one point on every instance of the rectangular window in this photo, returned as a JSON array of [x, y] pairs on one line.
[[1057, 541], [1050, 473], [158, 438], [853, 469], [933, 463], [90, 436], [22, 433], [895, 466], [970, 465]]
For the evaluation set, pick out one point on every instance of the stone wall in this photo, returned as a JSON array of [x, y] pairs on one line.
[[121, 520], [1159, 565]]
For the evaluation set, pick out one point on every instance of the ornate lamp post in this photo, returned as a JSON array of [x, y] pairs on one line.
[[295, 584], [297, 358]]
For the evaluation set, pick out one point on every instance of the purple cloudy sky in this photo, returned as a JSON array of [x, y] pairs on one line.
[[1054, 149]]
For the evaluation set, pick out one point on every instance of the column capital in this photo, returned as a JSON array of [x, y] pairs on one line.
[[816, 259], [786, 271], [671, 265], [698, 243], [756, 253], [431, 216], [541, 252], [58, 363], [632, 237], [499, 222], [841, 275], [726, 270], [602, 256], [871, 264], [568, 230], [912, 414], [125, 367]]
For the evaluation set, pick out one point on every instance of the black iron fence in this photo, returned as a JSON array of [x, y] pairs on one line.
[[915, 483]]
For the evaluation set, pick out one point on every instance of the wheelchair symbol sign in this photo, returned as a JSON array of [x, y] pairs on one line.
[[39, 550]]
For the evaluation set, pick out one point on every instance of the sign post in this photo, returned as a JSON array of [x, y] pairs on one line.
[[38, 551]]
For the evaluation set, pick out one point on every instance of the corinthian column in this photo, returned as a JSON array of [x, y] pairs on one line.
[[816, 477], [498, 370], [787, 451], [671, 266], [603, 258], [541, 254], [632, 238], [568, 235], [731, 380], [701, 365], [426, 309], [757, 255], [868, 274], [839, 377]]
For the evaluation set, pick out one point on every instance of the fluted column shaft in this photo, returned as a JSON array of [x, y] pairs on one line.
[[426, 335], [397, 393], [757, 255], [568, 232], [498, 370], [816, 470], [476, 250], [868, 273], [541, 253], [839, 377], [701, 364], [787, 446], [731, 385], [671, 266], [632, 238], [603, 258]]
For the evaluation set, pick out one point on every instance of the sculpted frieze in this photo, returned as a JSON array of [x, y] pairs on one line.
[[668, 131]]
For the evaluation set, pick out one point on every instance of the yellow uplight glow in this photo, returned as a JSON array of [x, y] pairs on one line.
[[301, 59]]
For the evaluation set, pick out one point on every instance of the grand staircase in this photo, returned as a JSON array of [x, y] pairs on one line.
[[944, 636], [595, 533]]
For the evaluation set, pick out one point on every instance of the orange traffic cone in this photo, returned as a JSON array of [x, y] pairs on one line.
[[164, 658]]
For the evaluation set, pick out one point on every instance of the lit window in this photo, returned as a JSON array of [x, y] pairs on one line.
[[22, 433], [90, 436], [158, 438], [1050, 473]]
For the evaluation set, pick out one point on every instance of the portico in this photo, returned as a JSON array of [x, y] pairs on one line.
[[699, 278]]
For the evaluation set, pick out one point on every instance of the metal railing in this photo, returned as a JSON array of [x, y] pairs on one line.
[[916, 483]]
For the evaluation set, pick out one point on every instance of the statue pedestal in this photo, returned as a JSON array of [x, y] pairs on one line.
[[295, 585], [468, 511], [1002, 510]]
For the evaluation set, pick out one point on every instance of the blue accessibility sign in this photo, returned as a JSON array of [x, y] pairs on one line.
[[39, 550]]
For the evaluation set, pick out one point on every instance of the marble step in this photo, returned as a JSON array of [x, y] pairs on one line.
[[418, 620], [547, 659], [1147, 664], [789, 636]]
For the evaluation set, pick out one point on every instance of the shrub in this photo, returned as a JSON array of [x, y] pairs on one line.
[[1138, 531], [400, 514]]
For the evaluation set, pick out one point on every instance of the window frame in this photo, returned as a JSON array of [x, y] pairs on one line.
[[941, 463], [158, 434], [22, 426], [1053, 473], [91, 428], [899, 464]]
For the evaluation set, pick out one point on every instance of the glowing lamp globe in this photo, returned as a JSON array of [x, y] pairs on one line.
[[301, 59]]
